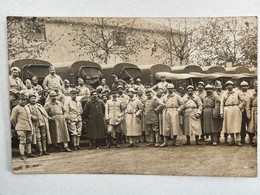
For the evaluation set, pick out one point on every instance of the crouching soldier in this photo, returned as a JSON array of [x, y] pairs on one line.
[[211, 114], [173, 105], [114, 117], [231, 106], [133, 120], [192, 113], [39, 116], [20, 119], [152, 107], [73, 111]]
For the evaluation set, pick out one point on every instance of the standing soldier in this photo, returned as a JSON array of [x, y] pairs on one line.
[[161, 85], [244, 126], [211, 114], [114, 117], [83, 89], [103, 87], [39, 117], [192, 113], [231, 106], [133, 121], [220, 93], [94, 119], [73, 111], [139, 86], [252, 115], [52, 80], [67, 88], [171, 124], [202, 94], [36, 86], [124, 99], [152, 107], [21, 120], [16, 85], [29, 89], [60, 96], [58, 127], [132, 83], [87, 83]]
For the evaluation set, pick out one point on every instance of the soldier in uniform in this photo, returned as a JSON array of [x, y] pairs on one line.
[[16, 85], [103, 87], [83, 89], [252, 114], [40, 122], [171, 124], [211, 114], [192, 114], [94, 119], [67, 88], [231, 106], [21, 120], [58, 126], [161, 85], [139, 86], [87, 84], [152, 107], [52, 80], [244, 126], [133, 121], [60, 96], [114, 117], [29, 89], [73, 111], [38, 88]]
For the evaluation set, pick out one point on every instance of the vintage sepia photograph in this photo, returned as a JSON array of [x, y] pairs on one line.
[[143, 96]]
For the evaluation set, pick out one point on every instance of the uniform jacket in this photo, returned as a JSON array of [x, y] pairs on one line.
[[114, 111], [73, 110], [52, 80]]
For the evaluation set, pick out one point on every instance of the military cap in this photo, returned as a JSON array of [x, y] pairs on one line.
[[244, 83], [73, 91], [22, 96], [103, 94], [131, 79], [80, 79], [170, 86], [88, 78], [113, 91], [32, 95], [229, 83], [120, 86], [201, 83], [94, 91], [131, 90], [53, 94], [15, 68], [138, 80], [190, 87], [209, 87]]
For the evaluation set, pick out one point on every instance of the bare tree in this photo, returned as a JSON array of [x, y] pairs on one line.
[[101, 38]]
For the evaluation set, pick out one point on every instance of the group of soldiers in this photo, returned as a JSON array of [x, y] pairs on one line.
[[128, 112]]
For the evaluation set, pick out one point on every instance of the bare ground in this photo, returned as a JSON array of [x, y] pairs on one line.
[[205, 160]]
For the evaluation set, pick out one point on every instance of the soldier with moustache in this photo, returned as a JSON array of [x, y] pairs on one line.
[[231, 106]]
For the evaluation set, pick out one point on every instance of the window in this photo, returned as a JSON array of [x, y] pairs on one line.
[[120, 39]]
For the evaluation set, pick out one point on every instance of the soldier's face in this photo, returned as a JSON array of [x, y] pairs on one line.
[[29, 85], [32, 100], [87, 81], [67, 84], [159, 94], [149, 95], [35, 81], [163, 79], [120, 91], [52, 71], [103, 82], [244, 88], [81, 82], [22, 102], [170, 91], [53, 98], [73, 96], [229, 87], [218, 87], [209, 91], [95, 95], [15, 73], [190, 92], [132, 82], [200, 87], [130, 94]]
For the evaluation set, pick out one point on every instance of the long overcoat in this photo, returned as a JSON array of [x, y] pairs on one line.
[[171, 125], [252, 114], [133, 120], [94, 117], [192, 125], [231, 104], [211, 114]]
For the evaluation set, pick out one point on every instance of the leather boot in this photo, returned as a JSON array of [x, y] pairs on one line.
[[117, 140], [165, 142], [174, 142], [156, 139], [187, 141], [108, 141], [197, 140]]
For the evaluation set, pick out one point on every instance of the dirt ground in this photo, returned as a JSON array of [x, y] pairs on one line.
[[205, 160]]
